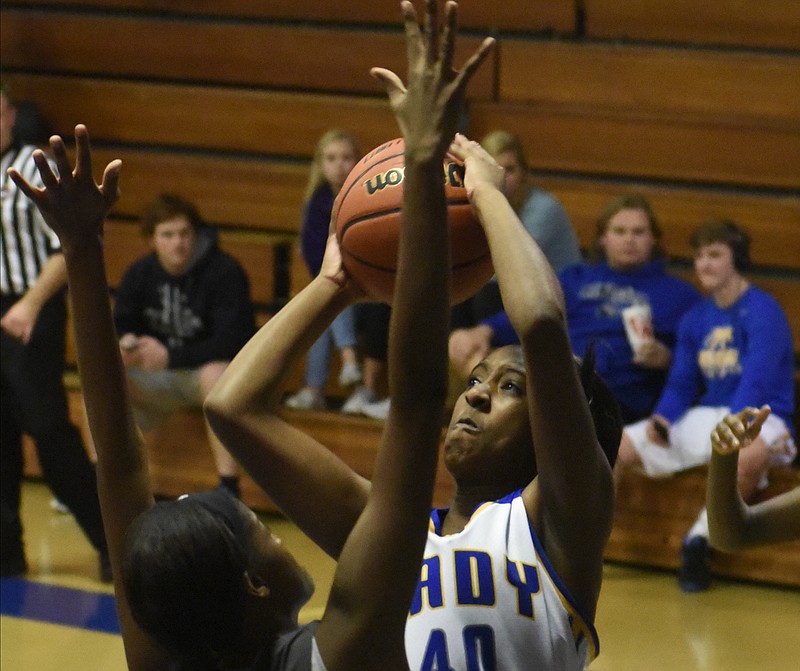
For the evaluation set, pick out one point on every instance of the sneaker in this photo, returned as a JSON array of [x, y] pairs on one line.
[[350, 374], [306, 399], [358, 400], [59, 507], [377, 410], [694, 574]]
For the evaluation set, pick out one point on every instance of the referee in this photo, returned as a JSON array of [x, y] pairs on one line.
[[32, 278]]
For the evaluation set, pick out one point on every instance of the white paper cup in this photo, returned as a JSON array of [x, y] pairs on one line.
[[638, 320]]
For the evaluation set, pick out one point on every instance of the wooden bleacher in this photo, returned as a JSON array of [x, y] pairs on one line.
[[697, 106], [181, 461], [653, 516], [773, 24]]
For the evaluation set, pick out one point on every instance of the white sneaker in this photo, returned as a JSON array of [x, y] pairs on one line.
[[305, 399], [358, 400], [377, 410], [350, 374], [59, 507]]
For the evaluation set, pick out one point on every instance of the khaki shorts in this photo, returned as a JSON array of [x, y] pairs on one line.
[[156, 395], [690, 442]]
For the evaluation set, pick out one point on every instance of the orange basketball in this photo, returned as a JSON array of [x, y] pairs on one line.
[[367, 215]]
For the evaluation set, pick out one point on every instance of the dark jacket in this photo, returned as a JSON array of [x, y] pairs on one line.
[[204, 315]]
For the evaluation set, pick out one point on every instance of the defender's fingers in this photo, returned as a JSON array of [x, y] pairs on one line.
[[110, 184], [475, 61], [83, 159], [22, 184], [431, 31], [59, 150], [391, 83], [46, 173], [414, 42], [448, 42]]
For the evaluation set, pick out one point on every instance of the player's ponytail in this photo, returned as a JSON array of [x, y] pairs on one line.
[[603, 405]]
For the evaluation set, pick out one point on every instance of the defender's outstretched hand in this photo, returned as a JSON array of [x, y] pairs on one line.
[[738, 430], [428, 111], [71, 201]]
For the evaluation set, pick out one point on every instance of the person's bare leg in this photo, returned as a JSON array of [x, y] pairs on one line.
[[626, 457], [373, 369], [753, 466], [348, 355]]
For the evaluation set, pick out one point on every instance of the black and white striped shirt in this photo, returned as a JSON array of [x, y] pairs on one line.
[[26, 241]]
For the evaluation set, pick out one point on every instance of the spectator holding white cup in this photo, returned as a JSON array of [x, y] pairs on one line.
[[638, 321], [629, 275]]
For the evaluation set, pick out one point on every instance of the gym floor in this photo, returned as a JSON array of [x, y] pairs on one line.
[[61, 618]]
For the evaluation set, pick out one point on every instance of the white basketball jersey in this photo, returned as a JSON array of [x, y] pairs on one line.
[[488, 600]]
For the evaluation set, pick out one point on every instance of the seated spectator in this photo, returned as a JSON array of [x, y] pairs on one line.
[[541, 214], [182, 312], [734, 350], [630, 271], [336, 153]]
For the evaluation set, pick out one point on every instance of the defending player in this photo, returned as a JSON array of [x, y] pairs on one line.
[[200, 581]]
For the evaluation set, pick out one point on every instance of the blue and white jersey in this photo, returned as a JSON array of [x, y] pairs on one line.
[[488, 599]]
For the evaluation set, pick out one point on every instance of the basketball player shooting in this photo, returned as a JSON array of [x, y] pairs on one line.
[[512, 569]]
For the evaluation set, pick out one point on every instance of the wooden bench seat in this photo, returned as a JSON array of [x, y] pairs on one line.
[[766, 24], [181, 460], [652, 517], [319, 58], [553, 15]]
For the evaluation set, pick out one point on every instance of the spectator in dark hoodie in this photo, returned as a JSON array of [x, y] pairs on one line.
[[182, 312]]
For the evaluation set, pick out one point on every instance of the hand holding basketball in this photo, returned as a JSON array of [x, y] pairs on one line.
[[367, 217]]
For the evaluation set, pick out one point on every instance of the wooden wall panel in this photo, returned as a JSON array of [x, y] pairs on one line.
[[642, 145], [720, 85], [302, 58], [230, 192], [199, 117], [742, 23], [552, 15]]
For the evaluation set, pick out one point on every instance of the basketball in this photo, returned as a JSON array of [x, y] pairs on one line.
[[367, 215]]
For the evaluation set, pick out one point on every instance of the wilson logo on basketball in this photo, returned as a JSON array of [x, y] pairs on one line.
[[393, 177], [453, 176]]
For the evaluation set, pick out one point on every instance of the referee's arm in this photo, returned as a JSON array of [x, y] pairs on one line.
[[21, 317]]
